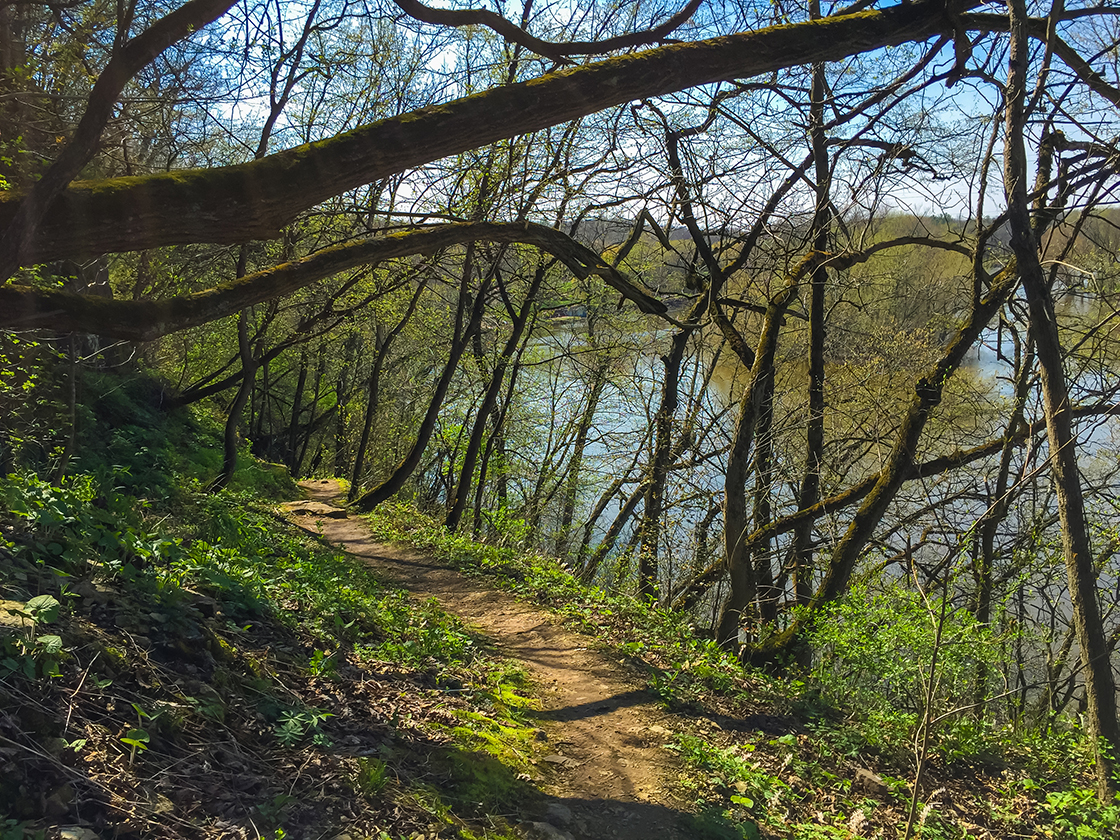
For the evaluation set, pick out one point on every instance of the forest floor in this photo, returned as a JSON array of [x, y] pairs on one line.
[[606, 774]]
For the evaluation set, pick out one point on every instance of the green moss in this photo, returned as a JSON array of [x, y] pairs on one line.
[[478, 781]]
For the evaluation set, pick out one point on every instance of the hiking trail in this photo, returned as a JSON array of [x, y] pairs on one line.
[[606, 775]]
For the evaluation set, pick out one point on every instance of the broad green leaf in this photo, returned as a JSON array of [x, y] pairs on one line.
[[136, 738], [50, 644], [44, 608]]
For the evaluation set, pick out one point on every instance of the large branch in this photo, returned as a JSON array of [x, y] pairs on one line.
[[557, 51], [23, 307], [126, 62], [689, 592], [255, 199]]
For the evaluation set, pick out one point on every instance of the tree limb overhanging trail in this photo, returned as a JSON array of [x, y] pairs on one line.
[[23, 307], [129, 58], [253, 200]]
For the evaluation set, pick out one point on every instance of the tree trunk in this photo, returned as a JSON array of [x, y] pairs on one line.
[[768, 594], [248, 377], [579, 447], [983, 567], [809, 492], [1100, 685], [496, 450], [490, 398], [663, 454], [383, 342], [460, 340], [297, 405], [320, 370], [736, 523]]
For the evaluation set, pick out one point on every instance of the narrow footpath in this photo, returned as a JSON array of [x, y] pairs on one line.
[[607, 776]]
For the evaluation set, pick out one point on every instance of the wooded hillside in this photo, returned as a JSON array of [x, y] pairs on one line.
[[765, 312]]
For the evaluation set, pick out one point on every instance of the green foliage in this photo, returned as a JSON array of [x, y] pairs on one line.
[[274, 811], [32, 409], [83, 522], [419, 633], [296, 724], [371, 776], [716, 824], [1078, 814], [1057, 755], [136, 739], [31, 653], [20, 830], [873, 653], [731, 768]]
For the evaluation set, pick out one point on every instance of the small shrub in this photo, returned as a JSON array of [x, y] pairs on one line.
[[1077, 813], [873, 652]]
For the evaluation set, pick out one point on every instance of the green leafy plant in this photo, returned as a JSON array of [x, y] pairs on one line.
[[874, 648], [19, 830], [295, 724], [322, 664], [137, 738], [371, 777], [753, 788], [1078, 813], [720, 824], [273, 811], [29, 652]]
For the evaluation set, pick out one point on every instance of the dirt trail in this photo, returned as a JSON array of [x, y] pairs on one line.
[[608, 775]]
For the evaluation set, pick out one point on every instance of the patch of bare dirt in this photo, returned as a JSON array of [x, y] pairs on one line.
[[607, 775]]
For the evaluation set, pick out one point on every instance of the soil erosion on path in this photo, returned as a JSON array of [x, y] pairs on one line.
[[608, 776]]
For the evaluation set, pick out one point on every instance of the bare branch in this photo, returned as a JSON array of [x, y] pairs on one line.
[[557, 51]]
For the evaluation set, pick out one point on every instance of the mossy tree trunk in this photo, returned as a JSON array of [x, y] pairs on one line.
[[1100, 685]]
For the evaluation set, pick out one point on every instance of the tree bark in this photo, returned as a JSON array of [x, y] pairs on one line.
[[373, 389], [461, 337], [736, 522], [579, 447], [648, 586], [24, 307], [809, 492], [489, 399], [1100, 684], [248, 377], [297, 407]]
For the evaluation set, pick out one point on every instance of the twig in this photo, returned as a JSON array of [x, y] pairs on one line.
[[81, 682], [931, 686]]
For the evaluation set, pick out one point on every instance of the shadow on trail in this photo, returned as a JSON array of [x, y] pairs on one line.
[[600, 706], [613, 819]]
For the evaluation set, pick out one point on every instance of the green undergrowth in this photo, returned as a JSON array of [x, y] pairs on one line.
[[681, 666], [776, 756], [180, 664]]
